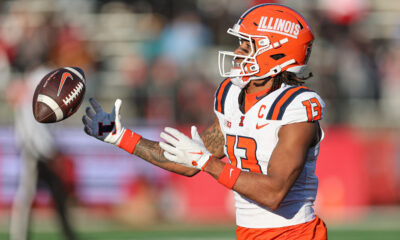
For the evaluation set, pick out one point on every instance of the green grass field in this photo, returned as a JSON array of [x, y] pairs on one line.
[[380, 224], [207, 234]]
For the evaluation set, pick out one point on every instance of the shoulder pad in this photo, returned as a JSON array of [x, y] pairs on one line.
[[280, 104]]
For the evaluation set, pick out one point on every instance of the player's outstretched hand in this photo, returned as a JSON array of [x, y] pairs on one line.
[[181, 149], [102, 125]]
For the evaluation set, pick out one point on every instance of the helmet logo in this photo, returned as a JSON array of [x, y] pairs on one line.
[[280, 26]]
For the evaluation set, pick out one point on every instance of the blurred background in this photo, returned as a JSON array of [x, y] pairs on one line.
[[160, 58]]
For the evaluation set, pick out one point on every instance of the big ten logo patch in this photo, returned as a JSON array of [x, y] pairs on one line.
[[227, 123]]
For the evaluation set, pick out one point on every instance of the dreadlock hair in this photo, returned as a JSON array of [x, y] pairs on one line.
[[286, 77]]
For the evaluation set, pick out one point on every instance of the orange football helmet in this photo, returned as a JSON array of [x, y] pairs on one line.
[[281, 41]]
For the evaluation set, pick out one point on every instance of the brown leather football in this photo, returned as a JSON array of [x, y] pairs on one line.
[[59, 94]]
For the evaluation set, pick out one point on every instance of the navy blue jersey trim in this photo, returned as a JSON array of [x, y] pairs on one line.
[[226, 90], [220, 97], [289, 100], [216, 96], [286, 103], [271, 110]]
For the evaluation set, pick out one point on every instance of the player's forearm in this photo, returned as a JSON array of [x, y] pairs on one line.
[[262, 189], [107, 127], [152, 153], [214, 140]]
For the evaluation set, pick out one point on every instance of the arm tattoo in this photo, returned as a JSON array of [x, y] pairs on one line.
[[150, 151], [214, 140]]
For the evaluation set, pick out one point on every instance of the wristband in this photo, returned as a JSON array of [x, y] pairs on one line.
[[229, 175], [129, 141]]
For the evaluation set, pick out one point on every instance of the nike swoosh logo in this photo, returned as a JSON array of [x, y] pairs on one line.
[[261, 126], [63, 79], [230, 172], [199, 153]]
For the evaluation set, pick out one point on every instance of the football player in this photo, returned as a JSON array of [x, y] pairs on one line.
[[38, 151], [267, 124]]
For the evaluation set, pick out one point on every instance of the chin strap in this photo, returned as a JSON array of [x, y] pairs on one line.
[[278, 68], [241, 81]]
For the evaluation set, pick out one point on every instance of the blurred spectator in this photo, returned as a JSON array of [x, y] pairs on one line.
[[30, 34], [390, 82], [152, 47], [141, 202], [346, 69], [5, 70], [345, 11], [357, 71], [33, 38], [134, 73], [38, 151], [183, 38], [195, 99], [34, 31], [69, 48], [164, 76]]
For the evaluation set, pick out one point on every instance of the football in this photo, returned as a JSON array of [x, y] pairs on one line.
[[59, 94]]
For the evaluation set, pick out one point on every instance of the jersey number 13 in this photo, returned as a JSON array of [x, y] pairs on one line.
[[249, 145]]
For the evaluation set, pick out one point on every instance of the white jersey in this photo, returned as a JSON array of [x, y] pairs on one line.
[[250, 139]]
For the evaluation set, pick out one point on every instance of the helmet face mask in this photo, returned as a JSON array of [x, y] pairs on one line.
[[241, 72], [280, 40], [248, 65]]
